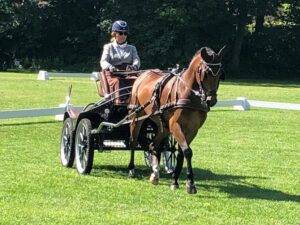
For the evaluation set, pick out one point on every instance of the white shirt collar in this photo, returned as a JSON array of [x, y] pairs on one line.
[[118, 45]]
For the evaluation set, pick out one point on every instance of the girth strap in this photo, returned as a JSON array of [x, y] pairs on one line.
[[194, 102], [159, 87]]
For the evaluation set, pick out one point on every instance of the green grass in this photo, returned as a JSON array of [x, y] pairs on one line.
[[19, 91], [246, 165]]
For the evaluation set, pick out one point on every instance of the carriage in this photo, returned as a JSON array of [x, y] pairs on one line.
[[160, 111], [104, 126]]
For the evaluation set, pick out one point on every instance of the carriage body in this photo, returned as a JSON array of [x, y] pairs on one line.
[[83, 133]]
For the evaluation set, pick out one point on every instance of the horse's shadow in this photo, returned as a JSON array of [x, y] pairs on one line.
[[234, 185]]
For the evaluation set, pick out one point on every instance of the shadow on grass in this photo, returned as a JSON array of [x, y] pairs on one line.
[[235, 186], [251, 191], [141, 172], [9, 124]]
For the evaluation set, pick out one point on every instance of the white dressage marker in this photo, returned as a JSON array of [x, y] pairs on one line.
[[43, 75]]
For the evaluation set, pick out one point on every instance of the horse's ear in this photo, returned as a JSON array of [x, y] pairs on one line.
[[221, 52], [205, 55]]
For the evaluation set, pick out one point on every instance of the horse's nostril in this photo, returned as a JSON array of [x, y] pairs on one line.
[[212, 101], [209, 98]]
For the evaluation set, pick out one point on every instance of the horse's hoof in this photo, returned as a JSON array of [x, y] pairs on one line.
[[154, 179], [174, 187], [131, 173], [191, 189]]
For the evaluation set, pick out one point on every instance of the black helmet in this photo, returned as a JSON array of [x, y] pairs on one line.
[[119, 25]]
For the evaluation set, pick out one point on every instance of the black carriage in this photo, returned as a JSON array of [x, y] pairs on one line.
[[104, 126]]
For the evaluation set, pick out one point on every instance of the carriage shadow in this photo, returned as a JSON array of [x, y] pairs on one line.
[[234, 186]]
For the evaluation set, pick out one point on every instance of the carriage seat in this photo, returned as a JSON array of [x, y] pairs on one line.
[[111, 83]]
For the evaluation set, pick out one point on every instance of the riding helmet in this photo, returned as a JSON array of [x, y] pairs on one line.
[[119, 25]]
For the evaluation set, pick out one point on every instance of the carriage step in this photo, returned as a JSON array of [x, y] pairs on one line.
[[114, 143]]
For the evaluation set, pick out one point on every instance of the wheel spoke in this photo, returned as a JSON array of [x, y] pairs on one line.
[[67, 130], [83, 162], [81, 136]]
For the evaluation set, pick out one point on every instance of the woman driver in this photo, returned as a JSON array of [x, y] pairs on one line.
[[118, 55]]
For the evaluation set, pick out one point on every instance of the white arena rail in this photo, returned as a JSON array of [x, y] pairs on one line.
[[238, 104], [22, 113], [44, 75], [274, 105]]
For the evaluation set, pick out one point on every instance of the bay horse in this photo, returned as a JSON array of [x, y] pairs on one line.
[[183, 102]]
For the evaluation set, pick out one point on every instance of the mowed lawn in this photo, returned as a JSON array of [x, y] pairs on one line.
[[247, 164]]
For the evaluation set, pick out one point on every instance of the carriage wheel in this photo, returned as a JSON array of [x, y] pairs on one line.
[[147, 138], [148, 158], [169, 154], [84, 147], [67, 151]]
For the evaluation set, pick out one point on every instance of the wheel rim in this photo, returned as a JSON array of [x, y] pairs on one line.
[[170, 155], [169, 161], [81, 148], [148, 158], [66, 146]]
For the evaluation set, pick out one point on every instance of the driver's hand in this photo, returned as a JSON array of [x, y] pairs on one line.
[[112, 69], [129, 68]]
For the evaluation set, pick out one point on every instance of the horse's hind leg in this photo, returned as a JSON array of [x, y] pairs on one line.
[[155, 149], [134, 131]]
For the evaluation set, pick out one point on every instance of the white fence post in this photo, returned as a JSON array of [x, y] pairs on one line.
[[43, 75], [94, 76], [60, 117], [242, 105]]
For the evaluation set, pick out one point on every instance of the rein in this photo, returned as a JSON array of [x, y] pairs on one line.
[[197, 93]]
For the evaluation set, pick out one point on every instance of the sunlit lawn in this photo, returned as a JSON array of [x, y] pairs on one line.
[[246, 165]]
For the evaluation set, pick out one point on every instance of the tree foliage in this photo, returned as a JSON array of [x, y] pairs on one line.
[[69, 34]]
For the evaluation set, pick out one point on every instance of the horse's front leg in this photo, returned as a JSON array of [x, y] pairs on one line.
[[177, 170], [184, 152], [190, 186]]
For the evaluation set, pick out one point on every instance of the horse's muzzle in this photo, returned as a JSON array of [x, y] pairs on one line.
[[211, 100]]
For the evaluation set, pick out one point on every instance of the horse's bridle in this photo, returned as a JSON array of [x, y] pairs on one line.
[[202, 73], [203, 67], [206, 66]]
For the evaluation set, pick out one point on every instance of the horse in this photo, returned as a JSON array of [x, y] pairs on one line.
[[171, 103]]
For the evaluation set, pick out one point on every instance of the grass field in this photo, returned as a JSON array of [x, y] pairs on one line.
[[247, 164]]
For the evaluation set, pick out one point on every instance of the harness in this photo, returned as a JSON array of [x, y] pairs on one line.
[[194, 101]]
